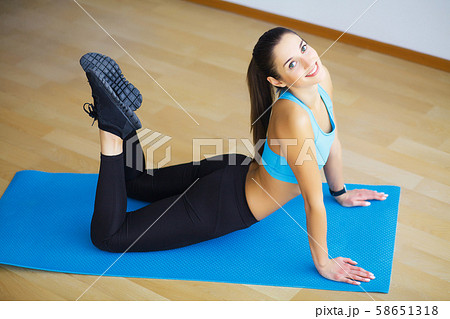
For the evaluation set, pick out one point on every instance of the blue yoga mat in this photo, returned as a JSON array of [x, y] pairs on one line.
[[45, 223]]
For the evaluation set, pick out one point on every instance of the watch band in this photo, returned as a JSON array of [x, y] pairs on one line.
[[342, 191]]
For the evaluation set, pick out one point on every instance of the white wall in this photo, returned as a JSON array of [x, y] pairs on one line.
[[419, 25]]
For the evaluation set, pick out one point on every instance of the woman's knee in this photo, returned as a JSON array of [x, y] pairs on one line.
[[100, 244], [100, 240], [111, 244], [106, 245]]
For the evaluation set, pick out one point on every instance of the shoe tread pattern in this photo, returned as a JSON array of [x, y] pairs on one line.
[[124, 109], [123, 89]]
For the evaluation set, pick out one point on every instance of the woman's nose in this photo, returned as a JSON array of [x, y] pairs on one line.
[[307, 63]]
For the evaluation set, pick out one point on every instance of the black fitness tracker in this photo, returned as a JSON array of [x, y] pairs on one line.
[[342, 191]]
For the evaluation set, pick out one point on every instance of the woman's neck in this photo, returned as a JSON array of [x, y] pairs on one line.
[[308, 95]]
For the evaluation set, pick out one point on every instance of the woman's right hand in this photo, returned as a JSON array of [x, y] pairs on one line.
[[343, 269]]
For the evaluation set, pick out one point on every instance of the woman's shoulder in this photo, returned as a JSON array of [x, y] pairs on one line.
[[287, 110], [287, 117]]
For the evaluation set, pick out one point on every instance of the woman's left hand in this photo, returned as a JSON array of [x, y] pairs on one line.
[[359, 197]]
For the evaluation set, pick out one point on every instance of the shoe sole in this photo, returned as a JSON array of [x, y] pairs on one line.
[[126, 111], [123, 89]]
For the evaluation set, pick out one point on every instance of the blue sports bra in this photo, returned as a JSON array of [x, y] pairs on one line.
[[277, 166]]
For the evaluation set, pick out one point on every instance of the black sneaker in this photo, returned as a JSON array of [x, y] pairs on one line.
[[125, 91], [112, 114]]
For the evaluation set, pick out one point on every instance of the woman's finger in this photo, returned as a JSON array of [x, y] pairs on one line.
[[349, 281], [355, 268], [367, 195], [359, 278], [360, 203], [361, 272], [348, 260]]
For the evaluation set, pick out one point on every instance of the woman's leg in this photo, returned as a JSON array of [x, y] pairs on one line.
[[110, 198], [206, 210], [156, 184]]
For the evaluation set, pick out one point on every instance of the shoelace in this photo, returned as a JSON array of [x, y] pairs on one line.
[[91, 111]]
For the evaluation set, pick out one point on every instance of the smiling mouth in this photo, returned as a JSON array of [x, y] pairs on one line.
[[314, 71]]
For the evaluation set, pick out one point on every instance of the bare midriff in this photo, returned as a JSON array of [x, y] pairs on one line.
[[266, 194]]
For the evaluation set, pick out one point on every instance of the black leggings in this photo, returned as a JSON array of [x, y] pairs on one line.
[[213, 206]]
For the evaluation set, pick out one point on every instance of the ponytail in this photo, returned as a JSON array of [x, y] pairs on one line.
[[261, 98]]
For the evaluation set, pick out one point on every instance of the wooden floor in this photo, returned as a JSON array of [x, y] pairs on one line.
[[393, 117]]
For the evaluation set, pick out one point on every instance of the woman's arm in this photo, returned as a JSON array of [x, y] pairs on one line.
[[333, 168], [302, 160]]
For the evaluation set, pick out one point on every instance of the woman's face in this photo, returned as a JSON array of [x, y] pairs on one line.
[[296, 62]]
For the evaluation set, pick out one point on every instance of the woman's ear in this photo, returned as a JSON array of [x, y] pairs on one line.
[[275, 82]]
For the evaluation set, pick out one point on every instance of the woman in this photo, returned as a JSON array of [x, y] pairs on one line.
[[191, 203]]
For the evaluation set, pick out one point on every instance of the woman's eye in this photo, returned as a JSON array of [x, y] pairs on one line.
[[303, 49], [292, 64]]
